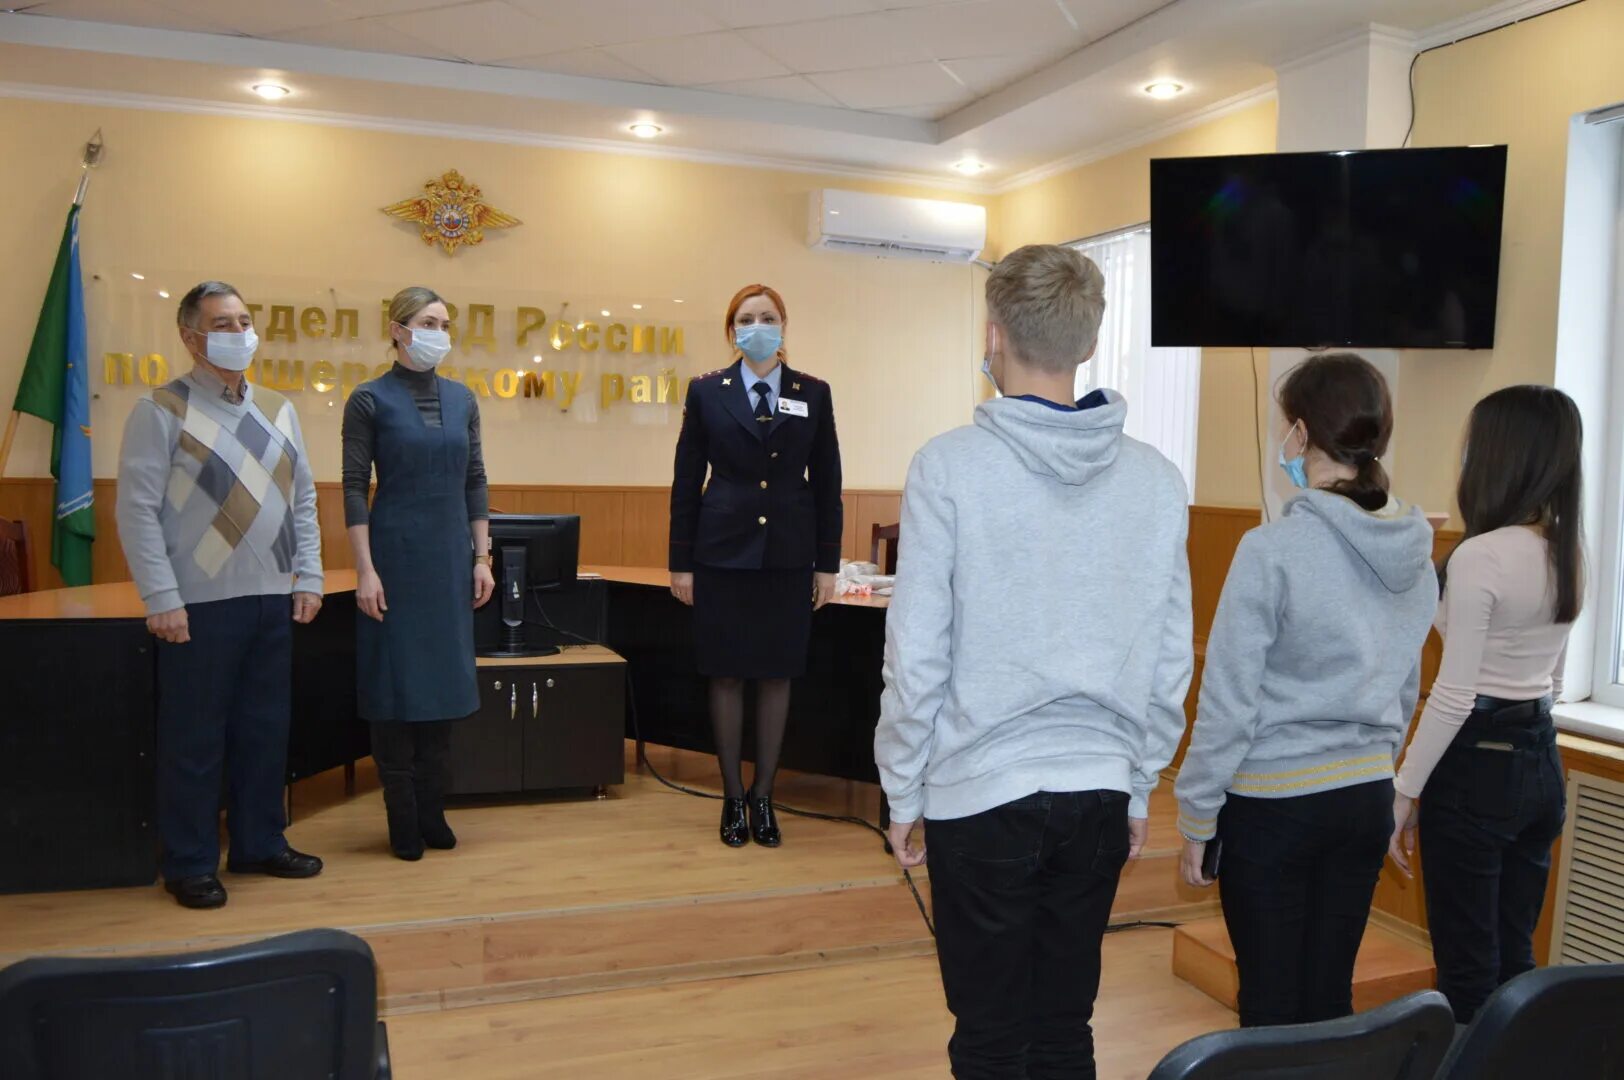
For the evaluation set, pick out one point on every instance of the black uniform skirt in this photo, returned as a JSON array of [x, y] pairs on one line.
[[752, 624]]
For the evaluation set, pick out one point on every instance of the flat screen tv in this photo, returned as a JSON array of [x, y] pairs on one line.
[[1374, 248]]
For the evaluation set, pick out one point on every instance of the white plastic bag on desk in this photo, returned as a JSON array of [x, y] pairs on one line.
[[863, 579]]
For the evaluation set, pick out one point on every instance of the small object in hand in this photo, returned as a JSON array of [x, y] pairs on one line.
[[1210, 859]]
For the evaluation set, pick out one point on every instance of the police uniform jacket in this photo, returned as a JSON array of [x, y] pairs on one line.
[[773, 500]]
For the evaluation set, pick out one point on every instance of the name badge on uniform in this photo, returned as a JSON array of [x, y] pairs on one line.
[[792, 407]]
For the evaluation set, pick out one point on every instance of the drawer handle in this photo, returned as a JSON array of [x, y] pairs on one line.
[[549, 684], [513, 702], [535, 700]]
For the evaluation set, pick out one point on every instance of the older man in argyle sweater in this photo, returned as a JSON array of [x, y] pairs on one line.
[[217, 515]]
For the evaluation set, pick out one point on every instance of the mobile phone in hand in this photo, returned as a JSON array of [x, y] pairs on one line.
[[1210, 859]]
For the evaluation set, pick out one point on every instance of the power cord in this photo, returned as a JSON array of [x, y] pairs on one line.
[[1257, 427]]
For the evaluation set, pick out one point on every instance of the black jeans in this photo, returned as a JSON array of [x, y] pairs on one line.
[[1489, 815], [1296, 877], [1021, 895], [224, 705]]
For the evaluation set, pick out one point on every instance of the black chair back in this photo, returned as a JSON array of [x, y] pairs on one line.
[[1550, 1022], [299, 1005], [1402, 1040]]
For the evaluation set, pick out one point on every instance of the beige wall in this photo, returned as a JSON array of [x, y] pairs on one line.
[[290, 213], [1115, 192], [1519, 86]]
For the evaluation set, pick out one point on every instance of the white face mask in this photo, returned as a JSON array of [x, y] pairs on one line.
[[232, 352], [427, 348]]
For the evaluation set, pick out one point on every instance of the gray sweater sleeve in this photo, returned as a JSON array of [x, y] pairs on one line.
[[1164, 726], [144, 463], [1243, 631], [307, 574], [918, 641], [358, 451], [479, 495]]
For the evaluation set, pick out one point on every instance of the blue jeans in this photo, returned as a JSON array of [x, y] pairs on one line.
[[1021, 895], [224, 706], [1489, 815]]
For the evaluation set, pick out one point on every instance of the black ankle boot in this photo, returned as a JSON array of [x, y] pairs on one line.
[[763, 821], [735, 829], [405, 833]]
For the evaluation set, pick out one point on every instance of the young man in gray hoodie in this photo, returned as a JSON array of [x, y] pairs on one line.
[[1037, 656]]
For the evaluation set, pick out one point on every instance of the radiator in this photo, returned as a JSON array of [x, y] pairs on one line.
[[1589, 921]]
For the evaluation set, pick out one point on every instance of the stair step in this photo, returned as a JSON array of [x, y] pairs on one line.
[[1388, 966]]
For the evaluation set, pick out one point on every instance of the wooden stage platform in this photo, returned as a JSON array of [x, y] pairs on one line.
[[618, 938]]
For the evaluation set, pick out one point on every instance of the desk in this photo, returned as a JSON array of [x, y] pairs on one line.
[[77, 678], [834, 707]]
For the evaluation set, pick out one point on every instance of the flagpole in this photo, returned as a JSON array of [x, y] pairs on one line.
[[87, 161]]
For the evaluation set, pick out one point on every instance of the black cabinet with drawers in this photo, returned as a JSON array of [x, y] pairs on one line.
[[547, 723]]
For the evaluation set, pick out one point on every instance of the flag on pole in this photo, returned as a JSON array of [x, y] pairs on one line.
[[56, 388]]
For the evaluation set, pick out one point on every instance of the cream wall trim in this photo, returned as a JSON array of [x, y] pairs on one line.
[[1491, 18], [1373, 34], [1102, 151], [246, 110], [49, 32]]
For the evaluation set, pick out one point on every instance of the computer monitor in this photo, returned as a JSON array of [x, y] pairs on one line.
[[531, 555]]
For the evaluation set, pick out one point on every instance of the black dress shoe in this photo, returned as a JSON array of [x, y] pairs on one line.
[[202, 891], [287, 863], [763, 822], [735, 829]]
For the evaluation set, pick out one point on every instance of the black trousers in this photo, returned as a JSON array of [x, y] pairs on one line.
[[1296, 877], [1489, 815], [1021, 895], [224, 706]]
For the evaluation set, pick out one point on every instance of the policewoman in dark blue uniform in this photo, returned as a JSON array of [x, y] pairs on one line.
[[422, 565], [756, 550]]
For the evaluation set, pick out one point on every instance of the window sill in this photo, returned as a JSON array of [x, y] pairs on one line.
[[1591, 720]]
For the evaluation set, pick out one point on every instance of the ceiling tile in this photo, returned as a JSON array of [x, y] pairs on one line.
[[985, 74], [702, 58], [855, 41], [590, 63], [893, 87], [1096, 20], [129, 13], [741, 13], [991, 28], [391, 7], [793, 88], [263, 19], [611, 22], [367, 35], [924, 112], [489, 30]]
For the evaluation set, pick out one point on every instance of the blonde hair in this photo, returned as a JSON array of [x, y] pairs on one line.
[[1049, 300], [407, 303]]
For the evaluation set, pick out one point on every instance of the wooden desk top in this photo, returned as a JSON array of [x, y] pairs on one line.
[[571, 656], [119, 600]]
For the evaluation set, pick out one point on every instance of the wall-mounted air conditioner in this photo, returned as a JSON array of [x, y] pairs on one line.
[[896, 227]]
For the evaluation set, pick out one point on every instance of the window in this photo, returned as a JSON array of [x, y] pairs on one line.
[[1162, 386]]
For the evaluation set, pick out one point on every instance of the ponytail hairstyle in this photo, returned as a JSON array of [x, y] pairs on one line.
[[407, 303], [1343, 403], [1522, 467]]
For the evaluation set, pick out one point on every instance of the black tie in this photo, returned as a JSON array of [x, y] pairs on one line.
[[764, 407]]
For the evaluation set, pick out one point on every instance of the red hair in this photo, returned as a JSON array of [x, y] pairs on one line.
[[749, 292]]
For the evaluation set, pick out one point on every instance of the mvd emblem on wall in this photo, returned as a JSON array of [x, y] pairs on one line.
[[453, 212]]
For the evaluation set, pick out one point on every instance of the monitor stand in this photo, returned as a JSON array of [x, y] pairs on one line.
[[513, 589]]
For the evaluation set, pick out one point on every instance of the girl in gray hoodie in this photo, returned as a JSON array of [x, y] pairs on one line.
[[1313, 668]]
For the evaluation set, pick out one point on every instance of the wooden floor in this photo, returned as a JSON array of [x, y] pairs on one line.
[[617, 937]]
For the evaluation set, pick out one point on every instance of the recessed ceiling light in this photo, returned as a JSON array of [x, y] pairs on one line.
[[645, 130], [970, 166], [270, 91], [139, 277], [163, 293], [1164, 89]]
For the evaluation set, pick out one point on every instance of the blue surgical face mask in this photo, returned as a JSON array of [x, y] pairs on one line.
[[1295, 468], [428, 347], [986, 369], [759, 341]]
